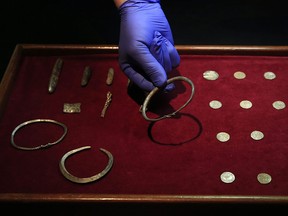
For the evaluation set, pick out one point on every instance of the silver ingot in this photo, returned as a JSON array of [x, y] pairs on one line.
[[257, 135], [239, 75], [110, 76], [279, 105], [264, 178], [215, 104], [86, 76], [55, 75], [72, 108], [223, 136], [269, 75], [246, 104], [227, 177], [75, 179], [210, 75]]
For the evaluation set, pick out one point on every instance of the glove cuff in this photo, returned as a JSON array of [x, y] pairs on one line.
[[141, 1], [131, 2]]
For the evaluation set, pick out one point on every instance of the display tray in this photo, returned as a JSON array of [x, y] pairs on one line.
[[236, 122]]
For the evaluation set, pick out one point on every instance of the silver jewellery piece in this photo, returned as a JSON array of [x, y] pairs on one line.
[[107, 103], [38, 121], [143, 109], [75, 179]]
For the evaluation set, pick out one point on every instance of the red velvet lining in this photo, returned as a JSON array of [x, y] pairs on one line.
[[173, 156]]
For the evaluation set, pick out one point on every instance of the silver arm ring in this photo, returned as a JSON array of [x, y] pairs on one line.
[[156, 89], [38, 121], [76, 179]]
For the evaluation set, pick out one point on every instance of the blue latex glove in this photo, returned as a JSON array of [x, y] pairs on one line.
[[146, 47]]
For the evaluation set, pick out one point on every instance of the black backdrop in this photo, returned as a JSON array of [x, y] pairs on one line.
[[201, 22]]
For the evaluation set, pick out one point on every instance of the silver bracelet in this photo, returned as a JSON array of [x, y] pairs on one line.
[[75, 179], [38, 121], [156, 89]]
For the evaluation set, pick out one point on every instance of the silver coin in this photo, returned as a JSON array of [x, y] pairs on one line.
[[257, 135], [269, 75], [264, 178], [279, 105], [246, 104], [210, 75], [215, 104], [239, 75], [227, 177], [223, 136]]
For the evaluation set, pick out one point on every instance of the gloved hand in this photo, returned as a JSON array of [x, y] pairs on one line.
[[146, 47]]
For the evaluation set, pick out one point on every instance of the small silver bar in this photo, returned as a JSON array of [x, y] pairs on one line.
[[55, 75]]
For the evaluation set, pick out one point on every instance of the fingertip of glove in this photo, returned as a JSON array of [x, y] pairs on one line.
[[170, 87]]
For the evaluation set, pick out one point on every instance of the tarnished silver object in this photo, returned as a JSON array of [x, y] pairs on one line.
[[210, 75], [257, 135], [143, 108], [239, 75], [75, 179], [86, 76], [246, 104], [55, 75], [264, 178], [279, 105], [110, 76], [227, 177], [72, 108], [107, 104], [269, 75], [38, 121], [215, 104], [223, 136]]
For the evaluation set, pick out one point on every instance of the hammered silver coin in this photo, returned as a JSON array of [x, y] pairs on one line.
[[257, 135], [227, 177], [279, 105], [269, 75], [215, 104], [223, 136], [264, 178], [210, 75], [239, 75], [246, 104]]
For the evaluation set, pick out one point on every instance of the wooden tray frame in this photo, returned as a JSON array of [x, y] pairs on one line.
[[58, 49]]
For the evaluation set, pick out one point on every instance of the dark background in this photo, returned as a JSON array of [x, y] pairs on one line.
[[193, 22]]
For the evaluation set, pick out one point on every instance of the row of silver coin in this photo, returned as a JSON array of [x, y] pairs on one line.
[[229, 177]]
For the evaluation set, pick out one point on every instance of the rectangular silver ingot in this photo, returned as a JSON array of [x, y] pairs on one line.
[[55, 75], [72, 108]]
